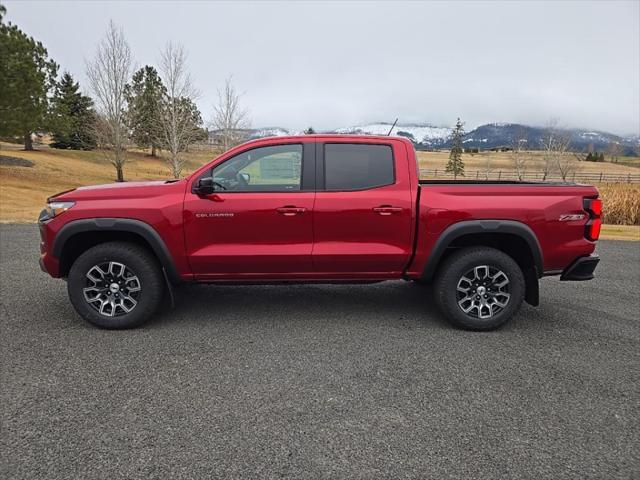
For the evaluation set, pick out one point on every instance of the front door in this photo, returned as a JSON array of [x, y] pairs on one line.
[[258, 222]]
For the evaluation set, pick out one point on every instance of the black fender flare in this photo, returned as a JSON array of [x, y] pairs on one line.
[[138, 227], [467, 227]]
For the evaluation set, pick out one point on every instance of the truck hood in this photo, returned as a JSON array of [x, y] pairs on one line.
[[124, 185], [120, 189]]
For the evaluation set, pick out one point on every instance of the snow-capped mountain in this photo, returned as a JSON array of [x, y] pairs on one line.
[[420, 134], [272, 132], [503, 134], [426, 136]]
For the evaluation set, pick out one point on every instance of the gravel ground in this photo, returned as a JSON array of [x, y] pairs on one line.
[[360, 381]]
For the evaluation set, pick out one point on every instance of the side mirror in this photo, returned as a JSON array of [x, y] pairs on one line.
[[246, 177], [204, 186]]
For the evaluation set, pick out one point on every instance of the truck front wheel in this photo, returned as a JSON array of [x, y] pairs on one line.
[[479, 288], [115, 285]]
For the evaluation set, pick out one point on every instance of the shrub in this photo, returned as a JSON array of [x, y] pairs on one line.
[[620, 203]]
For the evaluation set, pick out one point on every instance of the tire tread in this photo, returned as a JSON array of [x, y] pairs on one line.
[[136, 257], [449, 273]]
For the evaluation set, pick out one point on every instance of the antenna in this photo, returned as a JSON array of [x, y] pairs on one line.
[[391, 129]]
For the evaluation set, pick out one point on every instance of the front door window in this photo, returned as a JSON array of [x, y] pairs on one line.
[[266, 169]]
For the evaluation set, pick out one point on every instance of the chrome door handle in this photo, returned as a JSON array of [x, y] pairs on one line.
[[387, 210], [290, 210]]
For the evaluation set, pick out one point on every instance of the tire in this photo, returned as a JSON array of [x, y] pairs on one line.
[[473, 279], [115, 285]]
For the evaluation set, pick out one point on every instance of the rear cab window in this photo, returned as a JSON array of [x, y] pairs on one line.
[[357, 166]]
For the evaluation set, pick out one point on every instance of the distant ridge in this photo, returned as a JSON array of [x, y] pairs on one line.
[[491, 135]]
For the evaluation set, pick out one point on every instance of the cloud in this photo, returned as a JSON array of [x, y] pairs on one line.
[[331, 64]]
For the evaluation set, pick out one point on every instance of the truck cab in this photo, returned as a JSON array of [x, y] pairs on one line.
[[312, 207]]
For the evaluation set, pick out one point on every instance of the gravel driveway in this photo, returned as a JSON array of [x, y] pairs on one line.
[[357, 381]]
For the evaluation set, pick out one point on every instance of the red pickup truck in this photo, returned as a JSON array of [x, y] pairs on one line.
[[318, 208]]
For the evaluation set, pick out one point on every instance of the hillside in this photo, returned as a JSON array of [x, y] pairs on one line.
[[430, 137], [493, 135], [24, 189], [495, 161]]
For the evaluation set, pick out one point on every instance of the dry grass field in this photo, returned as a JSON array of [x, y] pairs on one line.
[[621, 203], [478, 164], [535, 161], [24, 189]]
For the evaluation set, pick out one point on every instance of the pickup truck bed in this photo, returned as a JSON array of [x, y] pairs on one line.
[[542, 207]]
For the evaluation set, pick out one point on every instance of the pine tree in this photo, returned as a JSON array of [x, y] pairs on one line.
[[455, 164], [26, 77], [144, 97], [195, 119], [601, 157], [71, 116], [589, 157]]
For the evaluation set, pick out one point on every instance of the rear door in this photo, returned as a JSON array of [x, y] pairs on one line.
[[363, 209], [258, 222]]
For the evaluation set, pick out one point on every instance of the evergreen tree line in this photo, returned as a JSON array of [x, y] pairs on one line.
[[33, 98], [594, 157]]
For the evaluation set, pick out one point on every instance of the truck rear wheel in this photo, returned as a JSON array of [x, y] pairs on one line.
[[115, 285], [479, 288]]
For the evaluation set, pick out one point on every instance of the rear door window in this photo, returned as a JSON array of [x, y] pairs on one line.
[[352, 166]]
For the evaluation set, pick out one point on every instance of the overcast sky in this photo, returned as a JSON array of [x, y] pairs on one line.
[[335, 64]]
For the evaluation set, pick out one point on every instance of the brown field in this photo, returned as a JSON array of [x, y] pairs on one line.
[[24, 190], [496, 165], [504, 161]]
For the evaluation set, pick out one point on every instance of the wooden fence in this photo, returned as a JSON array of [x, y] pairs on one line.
[[580, 177]]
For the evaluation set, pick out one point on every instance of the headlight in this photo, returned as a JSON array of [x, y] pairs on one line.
[[53, 209]]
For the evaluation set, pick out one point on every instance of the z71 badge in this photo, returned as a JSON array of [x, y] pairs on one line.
[[568, 217]]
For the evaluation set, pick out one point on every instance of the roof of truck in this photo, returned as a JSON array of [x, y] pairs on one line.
[[332, 136]]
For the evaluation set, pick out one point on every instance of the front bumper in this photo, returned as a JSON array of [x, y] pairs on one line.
[[48, 263], [581, 269]]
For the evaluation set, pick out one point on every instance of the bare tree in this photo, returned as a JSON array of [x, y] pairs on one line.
[[614, 151], [487, 166], [557, 157], [519, 144], [566, 162], [229, 118], [108, 73], [548, 141], [179, 118]]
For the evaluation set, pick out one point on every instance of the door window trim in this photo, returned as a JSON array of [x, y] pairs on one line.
[[321, 166]]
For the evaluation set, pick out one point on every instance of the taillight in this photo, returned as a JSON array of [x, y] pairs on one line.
[[594, 207]]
